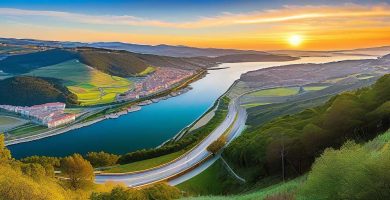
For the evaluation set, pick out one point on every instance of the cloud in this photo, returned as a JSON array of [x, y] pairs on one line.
[[285, 14]]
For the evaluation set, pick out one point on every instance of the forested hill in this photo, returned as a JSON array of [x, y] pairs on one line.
[[28, 91], [358, 115], [113, 62], [27, 62]]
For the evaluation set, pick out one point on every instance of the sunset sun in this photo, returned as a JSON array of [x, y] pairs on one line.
[[295, 40]]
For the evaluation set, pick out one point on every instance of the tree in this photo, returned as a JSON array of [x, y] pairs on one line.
[[217, 145], [162, 191], [5, 154], [78, 170], [120, 193], [101, 159], [15, 185]]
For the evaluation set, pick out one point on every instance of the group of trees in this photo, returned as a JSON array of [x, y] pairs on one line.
[[33, 178], [101, 159], [289, 145], [217, 145]]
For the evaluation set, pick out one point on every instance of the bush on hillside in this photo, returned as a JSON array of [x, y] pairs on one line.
[[101, 159], [353, 172]]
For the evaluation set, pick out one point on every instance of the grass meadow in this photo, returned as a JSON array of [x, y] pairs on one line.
[[90, 85]]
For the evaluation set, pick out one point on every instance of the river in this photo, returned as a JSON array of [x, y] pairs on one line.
[[155, 123]]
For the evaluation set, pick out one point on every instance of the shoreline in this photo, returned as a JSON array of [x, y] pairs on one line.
[[173, 92]]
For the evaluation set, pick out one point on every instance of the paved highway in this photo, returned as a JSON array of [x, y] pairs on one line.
[[232, 124]]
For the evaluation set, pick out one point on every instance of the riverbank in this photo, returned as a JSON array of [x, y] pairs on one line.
[[123, 108]]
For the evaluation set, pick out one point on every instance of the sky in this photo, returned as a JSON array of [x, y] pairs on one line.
[[245, 24]]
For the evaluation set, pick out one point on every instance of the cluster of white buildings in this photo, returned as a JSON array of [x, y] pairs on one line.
[[49, 114], [163, 78]]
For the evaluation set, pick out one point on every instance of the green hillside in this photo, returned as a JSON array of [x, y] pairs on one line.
[[118, 63], [337, 174], [28, 91], [25, 63], [351, 115]]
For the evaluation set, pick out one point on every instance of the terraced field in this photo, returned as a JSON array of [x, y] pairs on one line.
[[90, 85], [285, 91]]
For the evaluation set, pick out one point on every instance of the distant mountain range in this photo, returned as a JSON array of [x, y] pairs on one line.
[[186, 51], [373, 51], [162, 50]]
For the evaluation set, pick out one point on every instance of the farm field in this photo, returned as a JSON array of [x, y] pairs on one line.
[[278, 92], [250, 105], [5, 120], [26, 129], [7, 123], [90, 85]]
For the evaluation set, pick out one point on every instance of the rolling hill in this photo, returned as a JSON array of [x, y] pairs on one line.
[[32, 91], [24, 63]]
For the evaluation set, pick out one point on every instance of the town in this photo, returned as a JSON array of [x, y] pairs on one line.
[[50, 114], [161, 79]]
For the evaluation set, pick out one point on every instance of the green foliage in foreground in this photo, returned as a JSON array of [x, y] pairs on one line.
[[185, 143], [160, 191], [301, 137], [5, 154], [265, 193], [78, 170], [353, 172], [33, 179]]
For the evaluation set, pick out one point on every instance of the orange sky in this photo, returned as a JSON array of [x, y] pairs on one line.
[[321, 27]]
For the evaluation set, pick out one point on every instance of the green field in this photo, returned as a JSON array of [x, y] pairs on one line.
[[147, 71], [26, 129], [8, 121], [250, 105], [287, 187], [205, 183], [276, 92], [90, 85], [314, 88], [145, 164]]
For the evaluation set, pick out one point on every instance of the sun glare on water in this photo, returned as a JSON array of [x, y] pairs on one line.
[[295, 40]]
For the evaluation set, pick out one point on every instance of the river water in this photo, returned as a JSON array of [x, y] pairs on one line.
[[155, 123]]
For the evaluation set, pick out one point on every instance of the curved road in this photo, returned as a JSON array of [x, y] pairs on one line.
[[234, 125]]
